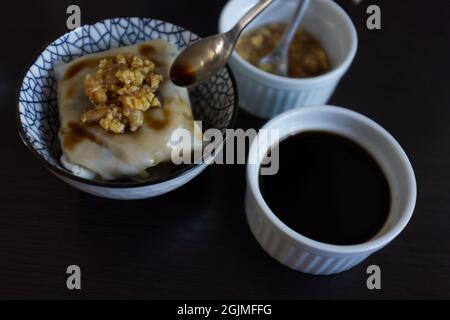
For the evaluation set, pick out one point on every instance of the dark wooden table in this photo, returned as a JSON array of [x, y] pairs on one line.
[[195, 242]]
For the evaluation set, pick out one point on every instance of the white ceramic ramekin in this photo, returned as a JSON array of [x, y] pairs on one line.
[[267, 95], [299, 252]]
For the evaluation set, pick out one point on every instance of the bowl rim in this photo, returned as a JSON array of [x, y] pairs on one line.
[[305, 243], [334, 73], [111, 184]]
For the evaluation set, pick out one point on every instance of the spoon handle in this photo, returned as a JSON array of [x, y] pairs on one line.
[[249, 16], [293, 25]]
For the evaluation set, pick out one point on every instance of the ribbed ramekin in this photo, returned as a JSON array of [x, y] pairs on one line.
[[266, 95], [304, 254]]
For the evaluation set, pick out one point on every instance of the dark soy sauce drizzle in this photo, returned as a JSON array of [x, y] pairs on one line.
[[328, 189]]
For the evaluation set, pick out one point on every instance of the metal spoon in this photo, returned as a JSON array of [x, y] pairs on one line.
[[278, 60], [206, 57]]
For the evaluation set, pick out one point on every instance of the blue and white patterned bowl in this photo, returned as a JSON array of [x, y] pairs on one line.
[[214, 102]]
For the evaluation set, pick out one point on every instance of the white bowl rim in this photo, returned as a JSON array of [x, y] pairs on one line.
[[111, 184], [328, 76], [317, 246]]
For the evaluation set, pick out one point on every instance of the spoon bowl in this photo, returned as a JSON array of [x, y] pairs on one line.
[[206, 57], [203, 59], [277, 61]]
